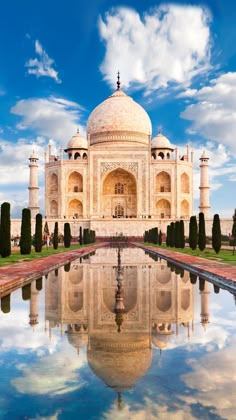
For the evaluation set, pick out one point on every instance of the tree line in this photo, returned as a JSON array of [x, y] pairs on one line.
[[86, 236]]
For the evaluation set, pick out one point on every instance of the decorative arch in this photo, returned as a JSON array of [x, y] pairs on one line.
[[119, 188], [75, 182], [53, 208], [75, 300], [185, 299], [163, 208], [75, 209], [85, 156], [163, 300], [77, 156], [185, 183], [153, 155], [184, 208], [161, 155], [53, 183], [163, 182]]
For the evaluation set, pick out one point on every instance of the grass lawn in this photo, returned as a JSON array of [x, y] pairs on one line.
[[16, 256], [224, 256]]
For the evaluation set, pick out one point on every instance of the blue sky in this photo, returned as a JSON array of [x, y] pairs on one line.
[[60, 59]]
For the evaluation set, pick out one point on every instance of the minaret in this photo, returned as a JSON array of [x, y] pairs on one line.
[[33, 305], [205, 304], [33, 186], [204, 206]]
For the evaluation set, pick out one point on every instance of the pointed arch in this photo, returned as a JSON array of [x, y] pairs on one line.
[[75, 208], [163, 208], [53, 183], [163, 182], [75, 300], [54, 208], [185, 183], [75, 182], [163, 300], [185, 208]]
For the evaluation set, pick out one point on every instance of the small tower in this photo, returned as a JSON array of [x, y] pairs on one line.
[[205, 304], [33, 186], [33, 305], [204, 206]]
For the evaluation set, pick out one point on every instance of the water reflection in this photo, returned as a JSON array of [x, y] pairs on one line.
[[131, 319]]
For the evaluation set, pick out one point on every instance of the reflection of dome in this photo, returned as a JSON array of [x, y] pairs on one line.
[[77, 339], [77, 142], [160, 341], [119, 361], [120, 115], [161, 142]]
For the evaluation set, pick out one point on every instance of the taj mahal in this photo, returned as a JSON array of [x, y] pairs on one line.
[[119, 178]]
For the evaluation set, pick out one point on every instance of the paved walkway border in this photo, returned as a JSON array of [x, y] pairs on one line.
[[222, 274], [17, 275]]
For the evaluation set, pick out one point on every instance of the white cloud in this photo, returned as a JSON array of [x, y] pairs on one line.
[[51, 117], [213, 116], [213, 379], [43, 65], [170, 44]]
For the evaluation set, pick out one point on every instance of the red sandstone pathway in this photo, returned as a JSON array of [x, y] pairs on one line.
[[16, 275], [207, 268]]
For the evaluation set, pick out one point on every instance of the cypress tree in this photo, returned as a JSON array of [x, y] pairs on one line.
[[234, 231], [25, 237], [160, 238], [6, 304], [86, 236], [38, 242], [201, 233], [155, 235], [172, 234], [81, 235], [216, 234], [182, 237], [177, 234], [67, 235], [55, 236], [26, 292], [5, 234], [168, 236], [193, 232], [39, 284]]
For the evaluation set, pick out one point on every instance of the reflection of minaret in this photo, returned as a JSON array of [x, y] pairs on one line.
[[33, 305], [205, 304], [119, 305], [33, 186], [204, 206]]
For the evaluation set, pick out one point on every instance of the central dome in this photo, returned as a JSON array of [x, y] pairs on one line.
[[119, 119]]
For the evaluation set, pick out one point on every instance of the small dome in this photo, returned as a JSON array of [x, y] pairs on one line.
[[77, 142], [119, 118], [204, 155], [33, 156], [161, 142]]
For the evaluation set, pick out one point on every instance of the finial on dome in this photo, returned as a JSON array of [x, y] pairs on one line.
[[118, 80], [159, 129]]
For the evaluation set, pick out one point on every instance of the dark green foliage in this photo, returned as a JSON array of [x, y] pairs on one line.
[[155, 235], [182, 236], [216, 234], [234, 231], [201, 284], [6, 304], [177, 234], [86, 236], [160, 238], [39, 284], [216, 288], [38, 239], [25, 237], [201, 232], [55, 236], [5, 233], [193, 278], [56, 272], [168, 235], [67, 267], [26, 292], [67, 235], [172, 234], [81, 235], [193, 232]]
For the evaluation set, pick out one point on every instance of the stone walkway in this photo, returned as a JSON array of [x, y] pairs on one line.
[[223, 274], [19, 274]]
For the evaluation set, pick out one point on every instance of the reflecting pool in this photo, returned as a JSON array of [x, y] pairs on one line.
[[118, 335]]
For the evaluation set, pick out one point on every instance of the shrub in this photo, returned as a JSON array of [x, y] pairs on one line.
[[216, 234], [193, 232], [38, 241], [67, 235], [55, 236], [25, 237], [201, 233], [5, 233]]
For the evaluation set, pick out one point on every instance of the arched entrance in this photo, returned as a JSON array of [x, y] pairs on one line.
[[119, 194]]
